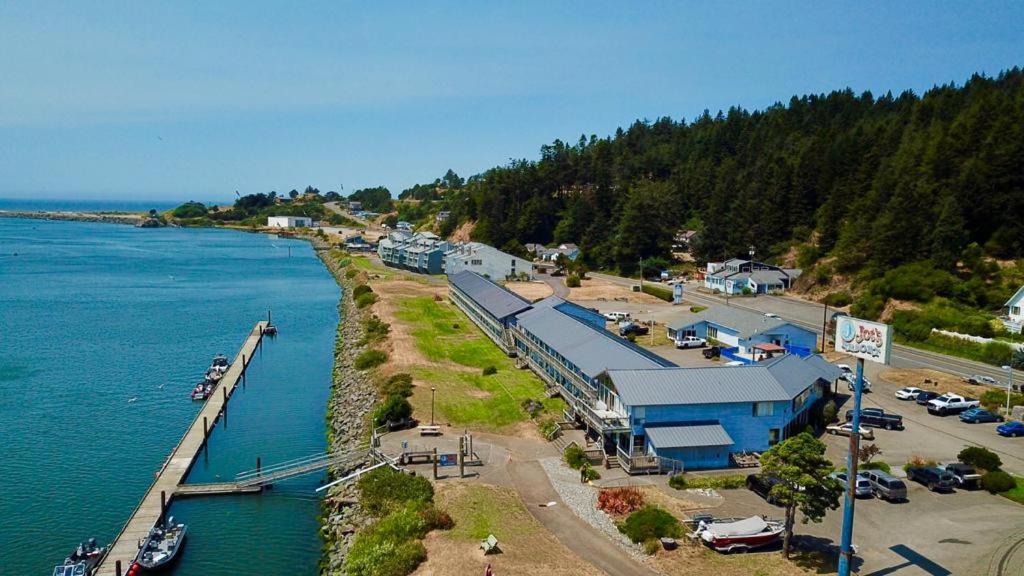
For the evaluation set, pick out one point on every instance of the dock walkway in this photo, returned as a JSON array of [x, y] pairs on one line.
[[172, 475]]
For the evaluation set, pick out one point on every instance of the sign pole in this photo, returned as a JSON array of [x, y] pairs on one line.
[[849, 499]]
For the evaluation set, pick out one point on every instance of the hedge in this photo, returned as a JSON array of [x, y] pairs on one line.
[[728, 482], [998, 481], [657, 291]]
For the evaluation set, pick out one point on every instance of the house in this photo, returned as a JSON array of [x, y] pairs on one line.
[[744, 334], [421, 252], [355, 206], [736, 276], [486, 261], [356, 243], [488, 305], [443, 216], [1014, 318], [403, 225], [570, 251], [682, 239], [289, 222]]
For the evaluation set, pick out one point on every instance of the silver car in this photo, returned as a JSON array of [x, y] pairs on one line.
[[886, 486], [862, 488]]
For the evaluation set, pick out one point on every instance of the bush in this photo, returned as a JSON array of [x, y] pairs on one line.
[[572, 281], [395, 409], [532, 407], [435, 519], [650, 522], [698, 309], [838, 299], [360, 290], [372, 556], [547, 426], [351, 273], [590, 473], [994, 398], [919, 462], [384, 490], [651, 546], [980, 457], [658, 292], [366, 299], [574, 456], [620, 500], [375, 329], [868, 306], [488, 370], [397, 385], [370, 358], [729, 482], [998, 481], [879, 465], [829, 411]]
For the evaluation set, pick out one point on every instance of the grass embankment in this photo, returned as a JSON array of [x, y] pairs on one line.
[[465, 396], [1017, 493]]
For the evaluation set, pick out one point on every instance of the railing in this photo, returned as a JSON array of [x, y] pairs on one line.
[[733, 354], [800, 351], [298, 467], [646, 464]]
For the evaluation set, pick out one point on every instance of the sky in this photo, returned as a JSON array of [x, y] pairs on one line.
[[195, 100]]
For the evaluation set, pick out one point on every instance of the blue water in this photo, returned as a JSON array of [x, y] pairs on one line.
[[71, 205], [92, 315]]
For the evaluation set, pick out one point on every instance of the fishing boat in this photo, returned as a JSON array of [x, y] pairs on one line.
[[82, 561], [739, 535], [162, 545], [220, 363], [270, 330], [213, 376], [202, 390]]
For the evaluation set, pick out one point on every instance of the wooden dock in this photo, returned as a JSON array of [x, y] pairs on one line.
[[170, 478]]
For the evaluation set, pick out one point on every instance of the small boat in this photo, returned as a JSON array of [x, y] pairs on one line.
[[202, 390], [739, 535], [162, 545], [270, 330], [82, 561], [220, 363], [213, 376]]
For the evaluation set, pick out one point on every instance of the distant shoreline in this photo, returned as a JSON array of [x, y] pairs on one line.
[[104, 217]]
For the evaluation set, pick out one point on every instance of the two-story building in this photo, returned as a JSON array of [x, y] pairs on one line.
[[1014, 318], [744, 334], [422, 252], [488, 305], [487, 261], [735, 276]]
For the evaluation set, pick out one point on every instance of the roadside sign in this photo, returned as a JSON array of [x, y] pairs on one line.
[[677, 293], [448, 459], [871, 341]]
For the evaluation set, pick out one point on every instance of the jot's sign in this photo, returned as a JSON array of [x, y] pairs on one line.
[[863, 339]]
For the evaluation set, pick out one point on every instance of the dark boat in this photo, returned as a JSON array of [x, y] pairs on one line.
[[82, 561], [220, 363], [270, 330], [202, 390], [162, 545]]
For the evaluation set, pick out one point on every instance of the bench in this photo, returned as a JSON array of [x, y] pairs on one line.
[[430, 430], [489, 544]]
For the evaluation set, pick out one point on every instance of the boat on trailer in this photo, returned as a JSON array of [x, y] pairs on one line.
[[82, 561], [739, 535], [162, 545]]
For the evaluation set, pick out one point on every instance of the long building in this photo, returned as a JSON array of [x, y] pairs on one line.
[[421, 252], [486, 261], [649, 413]]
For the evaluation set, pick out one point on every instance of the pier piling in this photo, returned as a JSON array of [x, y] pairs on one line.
[[117, 568]]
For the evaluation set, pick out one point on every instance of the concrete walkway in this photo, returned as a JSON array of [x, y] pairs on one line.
[[533, 486]]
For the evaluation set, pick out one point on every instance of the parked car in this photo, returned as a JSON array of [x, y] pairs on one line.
[[951, 404], [964, 475], [847, 429], [735, 363], [861, 488], [627, 328], [926, 396], [908, 393], [878, 418], [771, 315], [851, 378], [1013, 428], [976, 415], [713, 352], [979, 379], [886, 486], [762, 484], [616, 316], [691, 342], [936, 479]]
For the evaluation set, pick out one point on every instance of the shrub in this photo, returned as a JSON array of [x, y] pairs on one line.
[[658, 292], [383, 490], [919, 462], [589, 472], [488, 370], [879, 465], [366, 299], [370, 358], [698, 309], [651, 546], [360, 290], [375, 329], [729, 482], [547, 426], [372, 556], [868, 306], [839, 299], [574, 456], [620, 500], [351, 273], [395, 409], [828, 412], [532, 407], [435, 519], [998, 481], [980, 457], [650, 522], [397, 385], [994, 398], [572, 281]]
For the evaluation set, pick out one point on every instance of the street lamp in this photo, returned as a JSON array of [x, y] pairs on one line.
[[1009, 388], [432, 390]]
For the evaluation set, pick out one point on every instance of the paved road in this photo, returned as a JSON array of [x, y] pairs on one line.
[[809, 315], [557, 284]]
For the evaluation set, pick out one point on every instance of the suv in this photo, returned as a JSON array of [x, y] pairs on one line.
[[878, 418], [936, 479], [762, 486], [861, 487], [886, 486], [713, 352], [964, 475]]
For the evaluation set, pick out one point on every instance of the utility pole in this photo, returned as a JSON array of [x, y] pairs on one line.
[[432, 390], [824, 328], [845, 548], [1009, 387]]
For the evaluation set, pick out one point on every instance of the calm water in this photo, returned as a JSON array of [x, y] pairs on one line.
[[85, 205], [92, 315]]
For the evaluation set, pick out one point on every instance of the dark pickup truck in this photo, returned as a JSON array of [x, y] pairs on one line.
[[878, 418]]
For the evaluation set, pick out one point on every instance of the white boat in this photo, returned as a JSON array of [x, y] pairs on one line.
[[739, 535]]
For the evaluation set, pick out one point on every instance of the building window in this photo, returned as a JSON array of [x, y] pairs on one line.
[[639, 415], [800, 400], [764, 408], [713, 332], [477, 262], [773, 436]]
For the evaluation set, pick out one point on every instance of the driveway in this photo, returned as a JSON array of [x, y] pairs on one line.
[[557, 284]]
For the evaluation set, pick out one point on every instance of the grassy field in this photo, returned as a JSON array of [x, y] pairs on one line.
[[1017, 494], [479, 510], [465, 396]]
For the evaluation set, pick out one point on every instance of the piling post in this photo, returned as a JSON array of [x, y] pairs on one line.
[[435, 463], [258, 466], [462, 456], [117, 567], [224, 393], [206, 430], [163, 505]]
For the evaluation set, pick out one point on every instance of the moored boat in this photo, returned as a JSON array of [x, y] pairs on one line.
[[82, 561], [213, 376], [162, 545], [202, 390], [739, 535], [220, 363]]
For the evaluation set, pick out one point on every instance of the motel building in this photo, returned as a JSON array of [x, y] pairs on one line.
[[648, 414]]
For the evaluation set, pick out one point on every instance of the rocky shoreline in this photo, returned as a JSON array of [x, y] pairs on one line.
[[104, 217], [353, 396]]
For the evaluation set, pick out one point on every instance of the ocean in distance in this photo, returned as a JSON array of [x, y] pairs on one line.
[[72, 205], [93, 315]]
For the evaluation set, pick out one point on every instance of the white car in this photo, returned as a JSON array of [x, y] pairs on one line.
[[771, 315], [908, 393], [851, 381], [691, 342], [848, 373], [847, 428], [735, 363]]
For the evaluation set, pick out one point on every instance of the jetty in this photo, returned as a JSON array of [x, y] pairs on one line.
[[170, 478]]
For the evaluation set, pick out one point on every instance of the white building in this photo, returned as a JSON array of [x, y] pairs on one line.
[[486, 261], [289, 222], [1014, 319]]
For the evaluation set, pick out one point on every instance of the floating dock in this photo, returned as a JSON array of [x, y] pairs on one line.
[[171, 477]]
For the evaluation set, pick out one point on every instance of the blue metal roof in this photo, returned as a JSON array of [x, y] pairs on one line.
[[688, 436], [497, 301]]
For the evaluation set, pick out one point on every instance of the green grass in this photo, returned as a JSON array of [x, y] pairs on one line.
[[479, 510], [1016, 494], [372, 266]]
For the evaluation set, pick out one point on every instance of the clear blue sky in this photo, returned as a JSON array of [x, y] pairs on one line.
[[196, 100]]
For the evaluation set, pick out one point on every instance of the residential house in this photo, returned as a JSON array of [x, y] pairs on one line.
[[443, 216], [488, 305], [570, 251], [682, 239], [289, 222], [486, 261], [356, 243], [403, 225], [355, 206], [745, 335], [1014, 318], [735, 276]]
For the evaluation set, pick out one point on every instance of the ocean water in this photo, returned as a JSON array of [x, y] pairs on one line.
[[71, 205], [93, 315]]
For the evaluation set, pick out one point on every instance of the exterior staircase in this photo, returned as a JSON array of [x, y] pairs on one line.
[[612, 462]]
